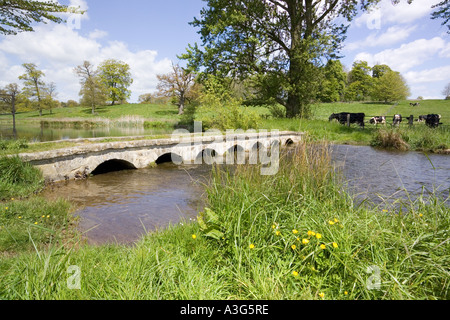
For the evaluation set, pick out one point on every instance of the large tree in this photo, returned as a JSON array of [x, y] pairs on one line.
[[391, 86], [179, 84], [283, 42], [34, 86], [19, 15], [93, 92], [116, 77], [8, 98], [446, 92]]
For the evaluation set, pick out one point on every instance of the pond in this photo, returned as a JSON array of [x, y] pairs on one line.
[[34, 132], [122, 206]]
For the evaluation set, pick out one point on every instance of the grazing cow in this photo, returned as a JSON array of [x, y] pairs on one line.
[[377, 120], [433, 120], [343, 117], [397, 119], [414, 104], [422, 118]]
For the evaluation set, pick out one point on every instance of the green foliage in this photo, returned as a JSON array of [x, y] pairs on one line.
[[116, 77], [19, 15], [18, 179], [34, 86], [220, 110], [390, 86], [333, 86]]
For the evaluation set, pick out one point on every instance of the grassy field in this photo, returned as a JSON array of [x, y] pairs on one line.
[[294, 235]]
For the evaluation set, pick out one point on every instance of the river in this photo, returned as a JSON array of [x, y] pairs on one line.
[[122, 206]]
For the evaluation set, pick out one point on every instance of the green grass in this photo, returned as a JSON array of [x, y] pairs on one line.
[[147, 111], [273, 213], [18, 179]]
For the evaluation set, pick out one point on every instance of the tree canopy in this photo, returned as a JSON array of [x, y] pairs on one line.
[[18, 15], [116, 77], [283, 42]]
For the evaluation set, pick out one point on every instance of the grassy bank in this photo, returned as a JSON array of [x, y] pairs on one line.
[[294, 235]]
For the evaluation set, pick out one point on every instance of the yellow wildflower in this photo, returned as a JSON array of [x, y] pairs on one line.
[[36, 223], [278, 233], [345, 292], [295, 231], [294, 247], [420, 215], [336, 220], [335, 245], [274, 226], [331, 222], [252, 246], [48, 217], [323, 247], [318, 236], [194, 236], [322, 295], [305, 241], [295, 273]]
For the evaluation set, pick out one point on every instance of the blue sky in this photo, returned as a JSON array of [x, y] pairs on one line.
[[150, 34]]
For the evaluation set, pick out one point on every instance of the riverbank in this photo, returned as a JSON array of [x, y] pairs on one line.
[[165, 117], [295, 235]]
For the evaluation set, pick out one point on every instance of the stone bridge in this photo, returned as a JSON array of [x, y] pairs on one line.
[[95, 158]]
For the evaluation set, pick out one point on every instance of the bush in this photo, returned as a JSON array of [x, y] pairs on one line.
[[389, 139]]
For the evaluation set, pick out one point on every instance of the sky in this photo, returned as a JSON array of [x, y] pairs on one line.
[[149, 34]]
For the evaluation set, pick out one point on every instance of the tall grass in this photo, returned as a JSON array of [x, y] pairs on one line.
[[294, 235], [18, 179]]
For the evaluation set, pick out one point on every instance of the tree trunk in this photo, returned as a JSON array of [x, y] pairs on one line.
[[181, 105]]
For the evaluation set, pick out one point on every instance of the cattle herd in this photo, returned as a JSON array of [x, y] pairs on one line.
[[431, 120]]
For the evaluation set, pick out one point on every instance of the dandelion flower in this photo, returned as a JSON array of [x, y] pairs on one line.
[[252, 246], [305, 241], [36, 223], [294, 247], [20, 217], [335, 245], [295, 231], [194, 236], [331, 222], [48, 217], [318, 236], [322, 295], [420, 215], [295, 273], [274, 226], [6, 208], [345, 292], [43, 216], [278, 233], [336, 220], [323, 247]]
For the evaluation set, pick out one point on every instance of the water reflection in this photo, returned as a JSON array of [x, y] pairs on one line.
[[38, 133]]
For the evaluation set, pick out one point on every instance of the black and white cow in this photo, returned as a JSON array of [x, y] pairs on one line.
[[422, 118], [377, 120], [414, 104], [397, 119], [433, 120], [343, 117]]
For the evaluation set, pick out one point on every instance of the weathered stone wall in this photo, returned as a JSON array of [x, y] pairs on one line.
[[79, 162]]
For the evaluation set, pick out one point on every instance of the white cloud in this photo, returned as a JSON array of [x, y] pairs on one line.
[[97, 34], [429, 75], [386, 13], [408, 55], [58, 49], [392, 35]]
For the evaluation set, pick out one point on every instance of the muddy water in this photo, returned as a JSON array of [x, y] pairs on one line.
[[122, 206], [383, 176]]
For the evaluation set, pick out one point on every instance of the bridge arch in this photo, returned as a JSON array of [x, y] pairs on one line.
[[169, 157], [208, 156], [112, 166]]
